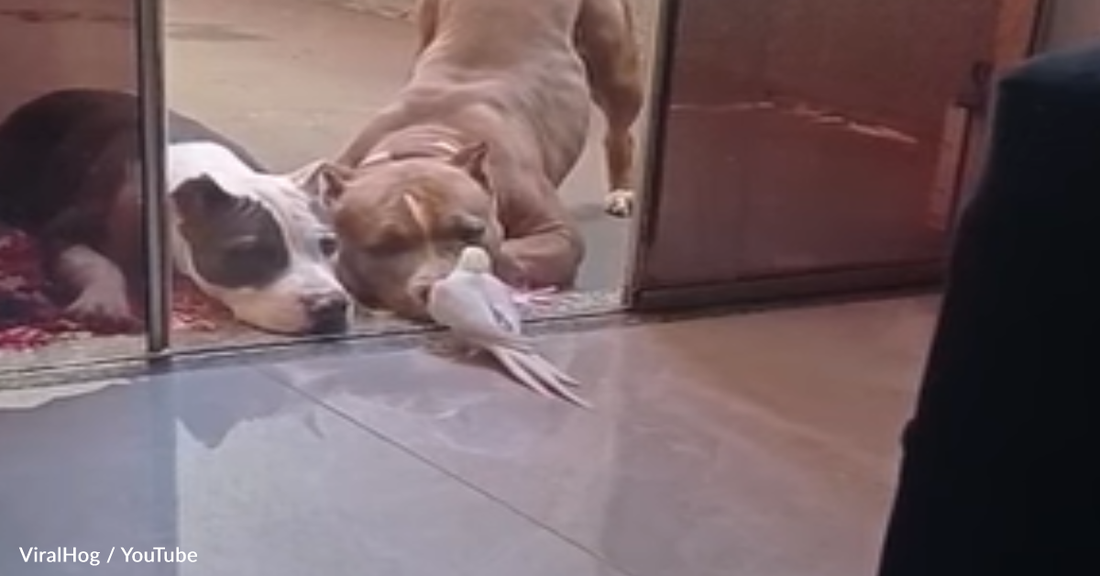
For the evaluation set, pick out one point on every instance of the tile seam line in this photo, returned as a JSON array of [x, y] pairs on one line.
[[394, 443]]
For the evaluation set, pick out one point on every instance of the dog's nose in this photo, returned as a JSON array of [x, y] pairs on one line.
[[328, 313]]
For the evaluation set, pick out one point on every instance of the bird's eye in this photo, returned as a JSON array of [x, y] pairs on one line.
[[328, 244]]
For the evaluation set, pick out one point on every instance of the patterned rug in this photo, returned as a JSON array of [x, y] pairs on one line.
[[30, 317]]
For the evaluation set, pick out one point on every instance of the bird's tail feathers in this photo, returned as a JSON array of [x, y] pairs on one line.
[[537, 373]]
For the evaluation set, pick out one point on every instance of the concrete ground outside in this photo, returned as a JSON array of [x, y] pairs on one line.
[[644, 10]]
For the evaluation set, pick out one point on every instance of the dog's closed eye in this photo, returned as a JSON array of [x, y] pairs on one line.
[[249, 248], [470, 229]]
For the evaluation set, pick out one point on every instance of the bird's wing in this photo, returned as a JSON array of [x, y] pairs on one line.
[[460, 303], [501, 300], [480, 310]]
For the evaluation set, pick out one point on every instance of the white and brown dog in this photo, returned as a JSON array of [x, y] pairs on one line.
[[254, 241], [473, 150]]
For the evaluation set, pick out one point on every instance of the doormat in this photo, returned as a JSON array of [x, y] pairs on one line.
[[30, 317]]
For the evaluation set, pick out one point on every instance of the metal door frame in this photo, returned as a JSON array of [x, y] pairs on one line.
[[1016, 28], [666, 28], [150, 26]]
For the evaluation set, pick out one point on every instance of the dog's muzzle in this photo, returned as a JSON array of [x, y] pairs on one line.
[[329, 313]]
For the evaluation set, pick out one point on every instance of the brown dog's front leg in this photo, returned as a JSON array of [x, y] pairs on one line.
[[546, 260]]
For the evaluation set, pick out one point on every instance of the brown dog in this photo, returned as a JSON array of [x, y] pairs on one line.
[[472, 151]]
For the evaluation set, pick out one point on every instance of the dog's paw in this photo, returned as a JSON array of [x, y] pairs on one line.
[[103, 310], [536, 297], [620, 203]]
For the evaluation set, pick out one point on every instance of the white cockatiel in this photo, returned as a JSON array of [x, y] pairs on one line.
[[480, 310]]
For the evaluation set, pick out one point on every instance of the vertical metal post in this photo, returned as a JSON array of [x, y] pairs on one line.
[[150, 72], [664, 51]]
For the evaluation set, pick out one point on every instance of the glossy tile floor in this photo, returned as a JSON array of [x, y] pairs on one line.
[[754, 445]]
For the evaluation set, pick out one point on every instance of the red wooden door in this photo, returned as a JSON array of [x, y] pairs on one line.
[[809, 146]]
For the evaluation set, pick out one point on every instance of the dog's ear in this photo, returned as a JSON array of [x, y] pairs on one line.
[[322, 179], [472, 158], [199, 198]]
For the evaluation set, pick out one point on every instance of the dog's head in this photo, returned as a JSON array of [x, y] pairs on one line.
[[402, 222], [261, 245]]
